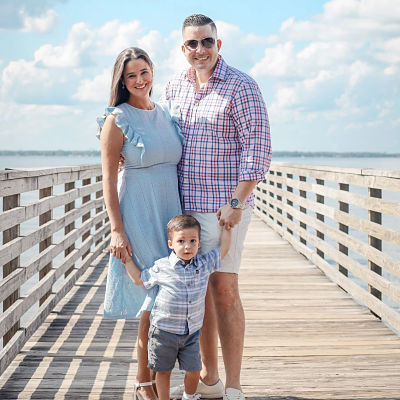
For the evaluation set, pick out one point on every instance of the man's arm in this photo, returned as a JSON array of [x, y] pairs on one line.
[[250, 117], [229, 216]]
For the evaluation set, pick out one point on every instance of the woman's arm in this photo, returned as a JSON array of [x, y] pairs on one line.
[[111, 141]]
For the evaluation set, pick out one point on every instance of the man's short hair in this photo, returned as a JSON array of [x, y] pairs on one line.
[[199, 20], [181, 222]]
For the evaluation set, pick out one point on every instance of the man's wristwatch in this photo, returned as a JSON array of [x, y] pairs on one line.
[[236, 203]]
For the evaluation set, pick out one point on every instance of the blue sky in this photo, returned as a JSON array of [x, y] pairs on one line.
[[329, 71]]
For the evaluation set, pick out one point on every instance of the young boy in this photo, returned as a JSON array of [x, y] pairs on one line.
[[178, 311]]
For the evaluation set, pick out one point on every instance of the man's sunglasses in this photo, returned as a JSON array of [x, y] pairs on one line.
[[207, 42]]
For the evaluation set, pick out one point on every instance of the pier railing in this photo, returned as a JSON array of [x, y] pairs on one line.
[[53, 225], [346, 221]]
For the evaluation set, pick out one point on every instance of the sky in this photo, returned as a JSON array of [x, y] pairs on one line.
[[329, 71]]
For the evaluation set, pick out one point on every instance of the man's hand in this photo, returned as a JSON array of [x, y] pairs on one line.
[[228, 216], [121, 162]]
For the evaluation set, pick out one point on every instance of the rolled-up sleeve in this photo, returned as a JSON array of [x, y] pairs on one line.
[[150, 276], [250, 117]]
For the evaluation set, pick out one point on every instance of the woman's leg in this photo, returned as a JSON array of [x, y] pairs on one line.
[[143, 373]]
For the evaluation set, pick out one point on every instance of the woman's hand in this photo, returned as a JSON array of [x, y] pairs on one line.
[[120, 246]]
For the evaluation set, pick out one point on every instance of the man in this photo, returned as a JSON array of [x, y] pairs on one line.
[[226, 152]]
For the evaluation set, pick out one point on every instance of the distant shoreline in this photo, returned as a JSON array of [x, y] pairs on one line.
[[276, 154]]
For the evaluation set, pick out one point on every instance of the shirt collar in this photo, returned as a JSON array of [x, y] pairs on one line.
[[174, 260], [220, 71]]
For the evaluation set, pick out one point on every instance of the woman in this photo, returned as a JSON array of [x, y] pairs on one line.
[[147, 197]]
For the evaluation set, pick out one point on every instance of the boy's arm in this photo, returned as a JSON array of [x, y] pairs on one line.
[[225, 242], [133, 271]]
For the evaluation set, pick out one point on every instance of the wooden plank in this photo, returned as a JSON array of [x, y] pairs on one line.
[[20, 306], [305, 338], [8, 353], [21, 244], [342, 217], [24, 213], [367, 177], [356, 245], [22, 274], [383, 206], [10, 202]]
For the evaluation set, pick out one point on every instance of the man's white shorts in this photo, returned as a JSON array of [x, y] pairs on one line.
[[210, 237]]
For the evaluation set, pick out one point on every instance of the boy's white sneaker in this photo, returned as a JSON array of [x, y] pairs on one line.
[[186, 396], [233, 394], [215, 391]]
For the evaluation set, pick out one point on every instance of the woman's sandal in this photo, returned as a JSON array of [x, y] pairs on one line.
[[136, 393]]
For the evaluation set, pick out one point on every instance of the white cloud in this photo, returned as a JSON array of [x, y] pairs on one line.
[[40, 24], [330, 82], [73, 53], [95, 90], [23, 74], [336, 67], [28, 15], [114, 36]]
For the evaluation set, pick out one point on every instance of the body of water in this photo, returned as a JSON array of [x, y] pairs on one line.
[[56, 161]]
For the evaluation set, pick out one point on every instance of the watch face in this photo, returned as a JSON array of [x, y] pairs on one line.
[[234, 203]]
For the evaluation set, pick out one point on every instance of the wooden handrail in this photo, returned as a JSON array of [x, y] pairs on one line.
[[333, 216], [84, 230]]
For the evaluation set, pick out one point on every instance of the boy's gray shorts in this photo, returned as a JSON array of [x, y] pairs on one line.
[[164, 348]]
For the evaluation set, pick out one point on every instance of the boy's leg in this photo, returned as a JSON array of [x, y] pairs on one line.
[[191, 382], [162, 383], [162, 351]]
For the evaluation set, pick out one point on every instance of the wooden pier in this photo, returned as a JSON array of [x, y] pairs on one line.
[[306, 337]]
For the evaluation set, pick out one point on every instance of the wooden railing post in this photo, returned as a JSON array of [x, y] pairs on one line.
[[68, 228], [99, 209], [289, 202], [375, 217], [344, 207], [320, 217], [279, 198], [10, 202], [271, 194], [356, 252], [44, 218], [86, 216], [303, 194]]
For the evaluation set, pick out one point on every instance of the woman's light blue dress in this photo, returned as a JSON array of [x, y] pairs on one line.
[[148, 198]]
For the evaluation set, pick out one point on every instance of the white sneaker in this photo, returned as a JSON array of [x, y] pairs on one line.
[[195, 396], [233, 394], [215, 391]]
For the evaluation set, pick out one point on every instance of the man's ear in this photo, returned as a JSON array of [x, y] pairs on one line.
[[170, 243], [199, 243], [183, 49], [219, 43]]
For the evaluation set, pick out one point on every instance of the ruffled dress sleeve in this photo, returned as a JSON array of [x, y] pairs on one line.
[[131, 135], [173, 113]]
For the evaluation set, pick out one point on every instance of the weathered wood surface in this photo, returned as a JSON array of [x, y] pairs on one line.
[[347, 217], [86, 232], [305, 338]]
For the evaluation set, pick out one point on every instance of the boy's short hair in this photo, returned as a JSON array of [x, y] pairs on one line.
[[181, 222]]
